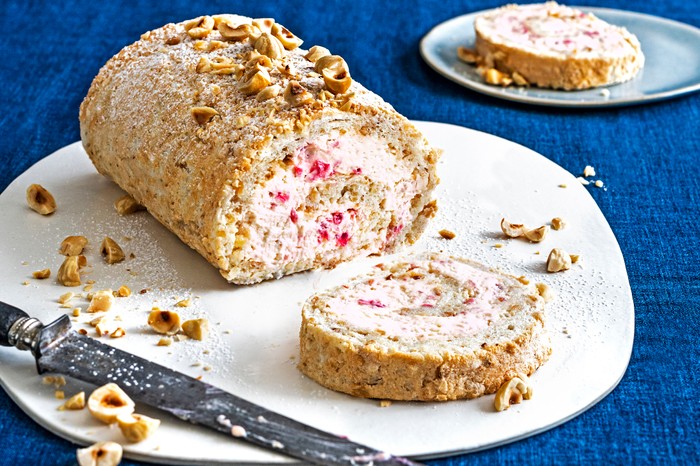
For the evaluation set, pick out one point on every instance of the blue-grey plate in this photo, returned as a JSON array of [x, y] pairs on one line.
[[672, 66]]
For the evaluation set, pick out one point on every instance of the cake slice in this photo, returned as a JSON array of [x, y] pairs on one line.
[[555, 46], [429, 327]]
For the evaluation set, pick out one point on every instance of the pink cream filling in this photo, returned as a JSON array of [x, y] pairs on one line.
[[555, 28], [279, 205], [411, 308]]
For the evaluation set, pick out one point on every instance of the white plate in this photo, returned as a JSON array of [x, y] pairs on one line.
[[483, 179], [672, 66]]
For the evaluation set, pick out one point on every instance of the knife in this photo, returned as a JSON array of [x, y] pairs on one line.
[[59, 349]]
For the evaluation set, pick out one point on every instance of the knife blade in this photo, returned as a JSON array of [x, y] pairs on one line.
[[59, 349]]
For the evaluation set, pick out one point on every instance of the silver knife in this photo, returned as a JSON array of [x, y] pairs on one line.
[[59, 349]]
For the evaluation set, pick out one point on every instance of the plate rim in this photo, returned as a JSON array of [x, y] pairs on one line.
[[492, 91]]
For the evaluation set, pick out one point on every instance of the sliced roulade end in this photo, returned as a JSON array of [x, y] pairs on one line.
[[429, 328], [266, 158], [552, 45]]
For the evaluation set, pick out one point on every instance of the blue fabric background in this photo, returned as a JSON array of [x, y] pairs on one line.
[[649, 157]]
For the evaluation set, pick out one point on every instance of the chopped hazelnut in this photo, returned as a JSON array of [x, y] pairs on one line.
[[73, 245], [100, 454], [127, 205], [203, 115], [137, 427], [69, 272], [42, 274], [558, 260], [512, 230], [544, 291], [538, 234], [101, 301], [75, 402], [197, 329], [40, 199], [164, 322], [111, 251], [558, 223]]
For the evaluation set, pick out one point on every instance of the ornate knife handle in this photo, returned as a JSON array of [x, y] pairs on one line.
[[18, 329]]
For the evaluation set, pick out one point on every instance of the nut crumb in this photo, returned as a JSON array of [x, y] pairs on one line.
[[574, 258], [562, 185], [123, 291], [558, 223], [165, 341], [498, 245], [588, 171], [118, 333], [184, 303], [522, 279], [56, 380], [59, 394], [76, 312], [41, 274], [447, 234], [74, 403], [82, 331]]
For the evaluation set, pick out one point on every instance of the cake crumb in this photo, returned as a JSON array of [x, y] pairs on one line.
[[562, 185], [598, 184], [583, 181], [588, 171], [498, 245], [447, 234], [384, 403]]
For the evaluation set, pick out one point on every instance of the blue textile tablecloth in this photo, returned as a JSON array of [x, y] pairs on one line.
[[649, 157]]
